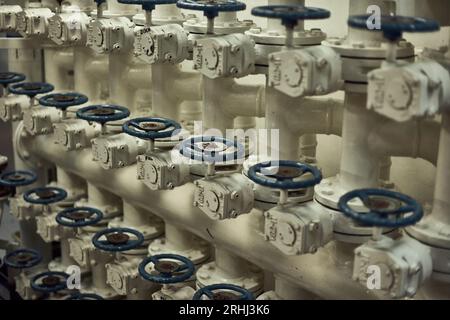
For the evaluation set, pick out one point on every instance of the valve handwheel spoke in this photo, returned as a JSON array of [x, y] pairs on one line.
[[284, 175], [118, 239], [22, 259], [223, 291], [168, 268], [17, 178], [290, 14], [384, 208], [49, 282], [103, 113], [147, 4], [45, 195], [79, 217], [212, 149]]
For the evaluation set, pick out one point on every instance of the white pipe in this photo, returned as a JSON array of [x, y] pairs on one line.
[[91, 73], [116, 8], [59, 62], [230, 264], [275, 24], [100, 197], [179, 238], [287, 290], [359, 167], [224, 100], [441, 201], [135, 216], [170, 87], [414, 139], [325, 279], [167, 10], [294, 117], [26, 61]]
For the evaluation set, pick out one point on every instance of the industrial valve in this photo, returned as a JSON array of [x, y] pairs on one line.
[[72, 134], [50, 282], [172, 271], [20, 209], [399, 90], [122, 273], [231, 55], [68, 28], [219, 196], [109, 35], [33, 21], [12, 105], [156, 167], [315, 70], [293, 228], [402, 264], [47, 227], [110, 151], [26, 260], [36, 120], [222, 291], [8, 17]]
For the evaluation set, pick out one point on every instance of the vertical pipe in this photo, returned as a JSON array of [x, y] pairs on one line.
[[180, 238], [85, 83], [359, 167], [135, 216], [441, 203], [233, 265]]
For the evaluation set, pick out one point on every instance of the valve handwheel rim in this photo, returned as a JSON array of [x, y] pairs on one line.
[[79, 217], [378, 215], [287, 171], [244, 294], [22, 258], [44, 195], [85, 296], [167, 270], [63, 100], [51, 281], [290, 14], [151, 128], [211, 8], [196, 148], [394, 26], [17, 178], [31, 89], [7, 78], [117, 239], [103, 113]]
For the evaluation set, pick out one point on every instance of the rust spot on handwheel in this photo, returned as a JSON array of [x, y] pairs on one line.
[[45, 194], [51, 281], [166, 266]]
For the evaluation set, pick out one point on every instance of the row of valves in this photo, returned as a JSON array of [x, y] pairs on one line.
[[398, 90], [295, 225]]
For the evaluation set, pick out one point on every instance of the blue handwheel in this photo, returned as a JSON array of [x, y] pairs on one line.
[[49, 282], [211, 8], [212, 149], [45, 195], [225, 292], [394, 26], [79, 217], [290, 14], [63, 100], [31, 89], [103, 113], [118, 239], [85, 296], [22, 259], [169, 268], [281, 174], [6, 78], [17, 178], [151, 128], [147, 4], [384, 208], [99, 2]]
